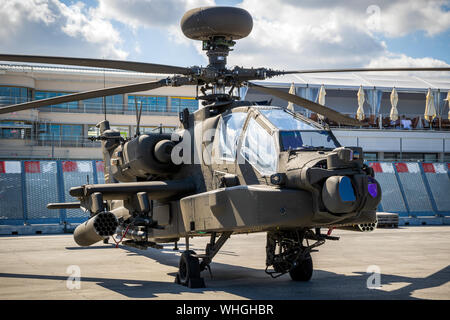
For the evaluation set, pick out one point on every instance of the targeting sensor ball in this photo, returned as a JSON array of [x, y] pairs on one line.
[[206, 22]]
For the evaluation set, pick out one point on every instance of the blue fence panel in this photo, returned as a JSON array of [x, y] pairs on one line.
[[42, 188], [100, 171], [438, 180], [11, 189], [414, 189], [76, 173], [391, 198]]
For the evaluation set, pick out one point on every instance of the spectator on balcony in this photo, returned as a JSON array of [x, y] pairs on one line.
[[406, 123]]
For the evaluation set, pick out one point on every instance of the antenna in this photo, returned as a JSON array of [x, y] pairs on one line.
[[104, 86], [138, 115]]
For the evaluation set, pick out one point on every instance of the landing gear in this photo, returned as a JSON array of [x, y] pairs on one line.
[[286, 252], [189, 271], [302, 269], [190, 265]]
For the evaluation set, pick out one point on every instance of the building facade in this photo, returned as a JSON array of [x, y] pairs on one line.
[[62, 131]]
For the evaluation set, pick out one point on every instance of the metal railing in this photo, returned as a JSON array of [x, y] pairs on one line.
[[98, 108], [383, 122]]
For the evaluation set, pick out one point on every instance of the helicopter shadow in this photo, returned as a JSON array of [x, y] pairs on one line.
[[234, 281], [254, 283]]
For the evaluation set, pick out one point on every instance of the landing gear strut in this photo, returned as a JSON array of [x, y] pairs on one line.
[[190, 265], [287, 253]]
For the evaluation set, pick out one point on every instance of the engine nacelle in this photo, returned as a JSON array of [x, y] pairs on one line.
[[143, 156]]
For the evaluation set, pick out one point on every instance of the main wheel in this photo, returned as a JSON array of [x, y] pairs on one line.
[[189, 271], [303, 270]]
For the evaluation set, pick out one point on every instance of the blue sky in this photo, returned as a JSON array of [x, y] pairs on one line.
[[287, 34]]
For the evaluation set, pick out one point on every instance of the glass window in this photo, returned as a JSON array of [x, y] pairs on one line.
[[124, 131], [230, 129], [93, 131], [370, 156], [49, 131], [155, 129], [178, 104], [47, 94], [409, 156], [114, 104], [13, 95], [258, 148], [391, 156], [149, 103], [290, 140], [71, 132], [15, 129], [284, 120], [430, 157]]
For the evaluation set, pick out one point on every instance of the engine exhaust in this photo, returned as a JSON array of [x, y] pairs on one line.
[[97, 228]]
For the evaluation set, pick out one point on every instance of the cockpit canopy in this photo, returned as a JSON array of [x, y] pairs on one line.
[[259, 134]]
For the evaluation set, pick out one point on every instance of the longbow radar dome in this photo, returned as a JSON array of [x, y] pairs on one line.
[[207, 22]]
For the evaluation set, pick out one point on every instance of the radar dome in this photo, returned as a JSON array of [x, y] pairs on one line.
[[206, 22]]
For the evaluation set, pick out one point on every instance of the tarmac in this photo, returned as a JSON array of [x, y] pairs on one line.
[[387, 264]]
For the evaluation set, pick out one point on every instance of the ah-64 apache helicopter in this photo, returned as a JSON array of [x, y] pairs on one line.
[[231, 167]]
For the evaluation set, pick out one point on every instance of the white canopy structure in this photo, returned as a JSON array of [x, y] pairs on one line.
[[361, 98], [394, 100], [430, 110], [412, 88], [402, 81]]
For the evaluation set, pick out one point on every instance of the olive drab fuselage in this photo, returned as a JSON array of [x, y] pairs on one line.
[[216, 181]]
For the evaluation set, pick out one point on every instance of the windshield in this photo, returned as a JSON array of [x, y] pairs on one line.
[[284, 120], [318, 139], [258, 148], [230, 129]]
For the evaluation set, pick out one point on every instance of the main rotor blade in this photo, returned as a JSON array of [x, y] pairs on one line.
[[98, 63], [85, 95], [366, 70], [308, 104]]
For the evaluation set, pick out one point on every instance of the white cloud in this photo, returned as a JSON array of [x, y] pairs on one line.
[[50, 18], [148, 13], [289, 34], [402, 60], [79, 21], [14, 12]]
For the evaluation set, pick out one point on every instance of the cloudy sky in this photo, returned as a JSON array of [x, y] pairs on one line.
[[287, 34]]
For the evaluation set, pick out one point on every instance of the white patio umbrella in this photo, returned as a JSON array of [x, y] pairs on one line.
[[448, 101], [360, 112], [321, 100], [430, 110], [394, 100], [291, 91]]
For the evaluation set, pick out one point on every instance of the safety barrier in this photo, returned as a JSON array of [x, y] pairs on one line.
[[414, 189], [27, 186], [409, 189]]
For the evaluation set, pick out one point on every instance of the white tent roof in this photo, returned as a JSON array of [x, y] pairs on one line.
[[418, 81]]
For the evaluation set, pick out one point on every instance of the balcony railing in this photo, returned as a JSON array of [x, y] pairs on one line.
[[54, 141], [383, 122], [89, 107]]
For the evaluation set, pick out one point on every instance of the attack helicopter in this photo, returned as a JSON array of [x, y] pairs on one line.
[[231, 167]]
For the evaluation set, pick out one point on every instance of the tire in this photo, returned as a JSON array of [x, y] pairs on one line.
[[189, 271], [304, 269]]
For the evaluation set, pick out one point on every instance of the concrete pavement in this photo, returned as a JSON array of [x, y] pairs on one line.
[[414, 263]]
